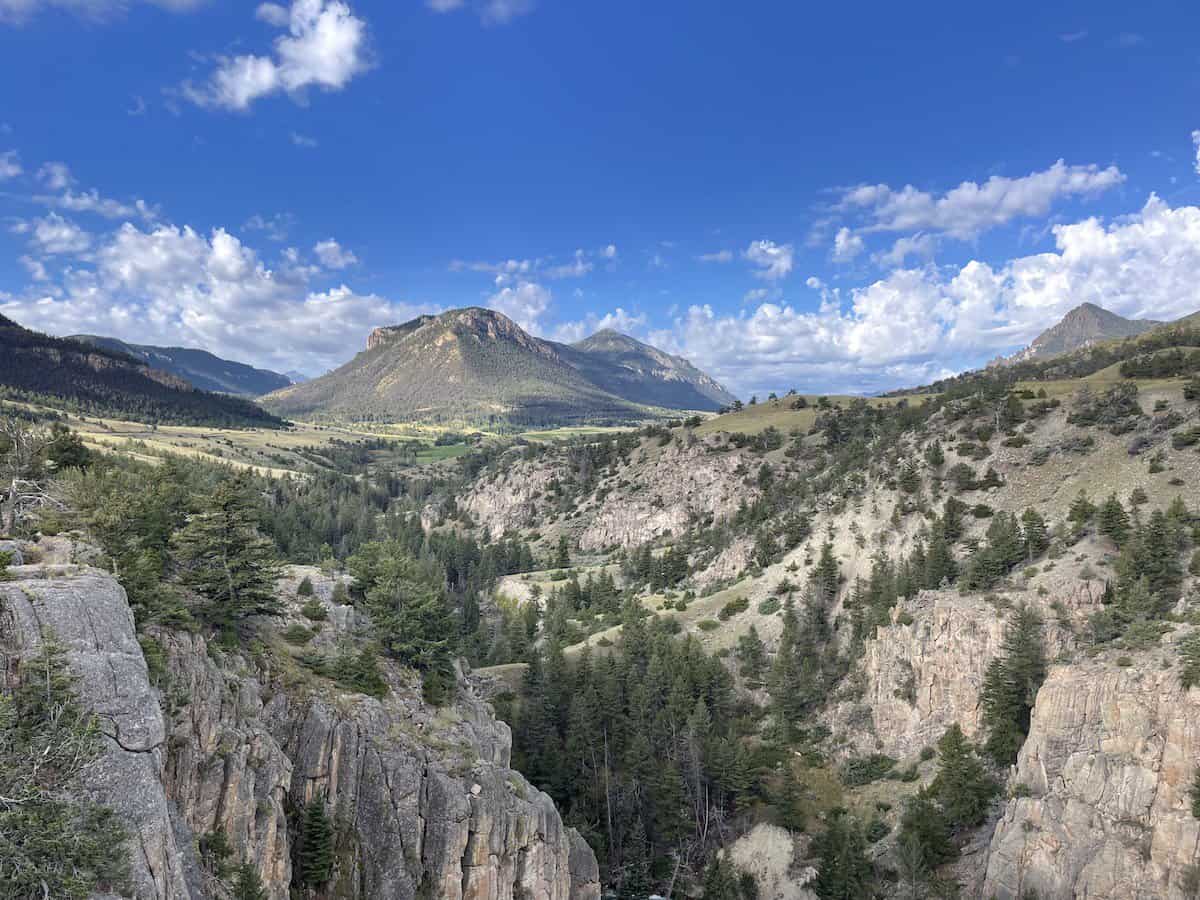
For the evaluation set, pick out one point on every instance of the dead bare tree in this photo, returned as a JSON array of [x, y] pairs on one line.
[[23, 488]]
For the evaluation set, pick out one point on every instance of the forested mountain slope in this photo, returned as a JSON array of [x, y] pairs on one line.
[[199, 368], [1085, 325], [98, 381]]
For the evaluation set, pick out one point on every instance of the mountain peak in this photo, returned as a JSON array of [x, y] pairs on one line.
[[1083, 326], [476, 365]]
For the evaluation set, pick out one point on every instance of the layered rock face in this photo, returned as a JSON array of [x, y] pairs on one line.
[[423, 801], [925, 671], [1111, 757]]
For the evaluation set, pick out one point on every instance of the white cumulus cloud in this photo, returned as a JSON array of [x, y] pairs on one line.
[[772, 261], [168, 284], [971, 208], [915, 325], [325, 47], [52, 234], [525, 302], [10, 165], [617, 320], [17, 12], [333, 255]]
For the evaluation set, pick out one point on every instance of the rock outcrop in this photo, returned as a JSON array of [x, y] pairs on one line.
[[1111, 757], [924, 672], [423, 800], [86, 612], [678, 484]]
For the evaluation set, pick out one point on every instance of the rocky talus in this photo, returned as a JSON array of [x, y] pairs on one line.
[[423, 800]]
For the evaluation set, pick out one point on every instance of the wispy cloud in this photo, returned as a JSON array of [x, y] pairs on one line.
[[490, 12]]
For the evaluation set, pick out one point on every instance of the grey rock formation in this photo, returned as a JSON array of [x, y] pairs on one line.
[[423, 800], [1108, 766], [86, 611], [924, 672]]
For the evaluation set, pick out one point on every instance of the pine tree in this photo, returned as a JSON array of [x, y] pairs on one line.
[[1113, 521], [1082, 510], [1034, 534], [636, 883], [224, 558], [909, 480], [924, 839], [1189, 660], [248, 884], [940, 565], [562, 555], [1010, 686], [825, 578], [963, 788], [316, 845], [752, 656], [844, 870]]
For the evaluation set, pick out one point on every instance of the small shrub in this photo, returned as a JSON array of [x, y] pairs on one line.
[[314, 610], [708, 624], [877, 831], [771, 605], [862, 770], [305, 588], [297, 635], [733, 608]]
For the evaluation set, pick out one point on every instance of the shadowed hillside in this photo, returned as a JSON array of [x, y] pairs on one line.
[[199, 368], [68, 374]]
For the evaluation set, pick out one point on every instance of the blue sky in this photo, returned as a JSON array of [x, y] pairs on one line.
[[828, 198]]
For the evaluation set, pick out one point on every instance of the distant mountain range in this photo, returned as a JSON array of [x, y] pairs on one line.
[[1084, 326], [477, 366], [95, 380], [199, 368]]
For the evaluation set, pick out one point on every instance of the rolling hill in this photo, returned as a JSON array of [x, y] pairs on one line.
[[477, 366], [199, 368], [93, 380]]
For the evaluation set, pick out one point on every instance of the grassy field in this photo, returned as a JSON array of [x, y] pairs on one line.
[[269, 452], [1099, 381], [560, 434], [779, 414]]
